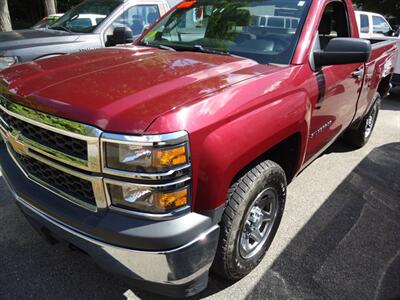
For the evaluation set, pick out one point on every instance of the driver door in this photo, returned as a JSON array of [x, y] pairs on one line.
[[339, 86]]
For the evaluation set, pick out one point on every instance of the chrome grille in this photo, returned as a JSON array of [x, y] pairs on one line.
[[76, 187], [53, 140], [65, 141]]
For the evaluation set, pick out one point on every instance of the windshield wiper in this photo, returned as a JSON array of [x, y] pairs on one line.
[[159, 46], [203, 49], [63, 28]]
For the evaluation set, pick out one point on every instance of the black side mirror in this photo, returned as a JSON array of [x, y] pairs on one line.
[[342, 51], [122, 35]]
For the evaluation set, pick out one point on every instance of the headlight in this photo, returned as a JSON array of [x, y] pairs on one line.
[[7, 61], [160, 166], [147, 199], [154, 156]]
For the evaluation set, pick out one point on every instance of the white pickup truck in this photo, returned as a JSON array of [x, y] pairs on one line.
[[374, 26]]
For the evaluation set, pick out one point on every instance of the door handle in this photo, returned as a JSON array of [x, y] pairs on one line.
[[358, 74]]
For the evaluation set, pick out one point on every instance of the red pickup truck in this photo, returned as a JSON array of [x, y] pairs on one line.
[[171, 157]]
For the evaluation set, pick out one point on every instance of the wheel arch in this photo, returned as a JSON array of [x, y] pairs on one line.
[[286, 150]]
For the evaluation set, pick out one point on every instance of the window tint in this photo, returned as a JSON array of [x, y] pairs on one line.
[[137, 18], [334, 23], [381, 26], [364, 24]]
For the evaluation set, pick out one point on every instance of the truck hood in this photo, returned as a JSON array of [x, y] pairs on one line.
[[34, 38], [123, 89]]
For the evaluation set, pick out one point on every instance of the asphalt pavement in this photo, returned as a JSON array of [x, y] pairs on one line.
[[339, 237]]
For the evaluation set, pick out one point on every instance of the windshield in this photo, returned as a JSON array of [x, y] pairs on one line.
[[266, 31], [87, 16]]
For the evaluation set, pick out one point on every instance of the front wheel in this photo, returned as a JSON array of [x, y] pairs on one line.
[[254, 210], [359, 136]]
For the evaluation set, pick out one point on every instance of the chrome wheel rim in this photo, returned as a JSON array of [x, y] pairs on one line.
[[369, 123], [258, 223]]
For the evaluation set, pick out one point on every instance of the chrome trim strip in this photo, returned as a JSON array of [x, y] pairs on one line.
[[147, 140], [153, 186], [50, 122], [51, 153], [171, 174], [61, 126]]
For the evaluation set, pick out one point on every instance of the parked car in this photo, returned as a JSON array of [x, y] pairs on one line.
[[92, 24], [47, 21], [374, 26], [162, 159]]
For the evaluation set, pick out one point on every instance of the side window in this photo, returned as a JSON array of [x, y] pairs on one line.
[[136, 18], [81, 22], [334, 23], [381, 26], [364, 24]]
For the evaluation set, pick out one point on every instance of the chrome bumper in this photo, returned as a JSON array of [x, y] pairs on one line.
[[177, 272]]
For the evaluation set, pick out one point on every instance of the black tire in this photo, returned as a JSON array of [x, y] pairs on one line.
[[359, 136], [267, 176]]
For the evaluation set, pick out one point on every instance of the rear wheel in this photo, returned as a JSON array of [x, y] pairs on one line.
[[250, 221], [359, 136]]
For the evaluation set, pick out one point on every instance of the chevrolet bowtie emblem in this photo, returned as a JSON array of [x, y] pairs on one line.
[[18, 147]]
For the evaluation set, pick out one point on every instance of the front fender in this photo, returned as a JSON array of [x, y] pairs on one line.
[[233, 146]]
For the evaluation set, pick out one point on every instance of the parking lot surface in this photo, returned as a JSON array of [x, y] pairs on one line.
[[339, 238]]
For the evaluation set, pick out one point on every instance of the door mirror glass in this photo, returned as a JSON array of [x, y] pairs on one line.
[[341, 51]]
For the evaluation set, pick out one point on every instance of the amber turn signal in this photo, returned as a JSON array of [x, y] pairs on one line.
[[170, 157], [172, 200]]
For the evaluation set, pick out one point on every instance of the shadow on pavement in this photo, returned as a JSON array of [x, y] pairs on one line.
[[351, 246]]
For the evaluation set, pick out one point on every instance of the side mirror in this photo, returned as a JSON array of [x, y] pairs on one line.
[[342, 51], [122, 35]]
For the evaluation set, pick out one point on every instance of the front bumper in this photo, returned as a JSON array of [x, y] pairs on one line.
[[178, 271]]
